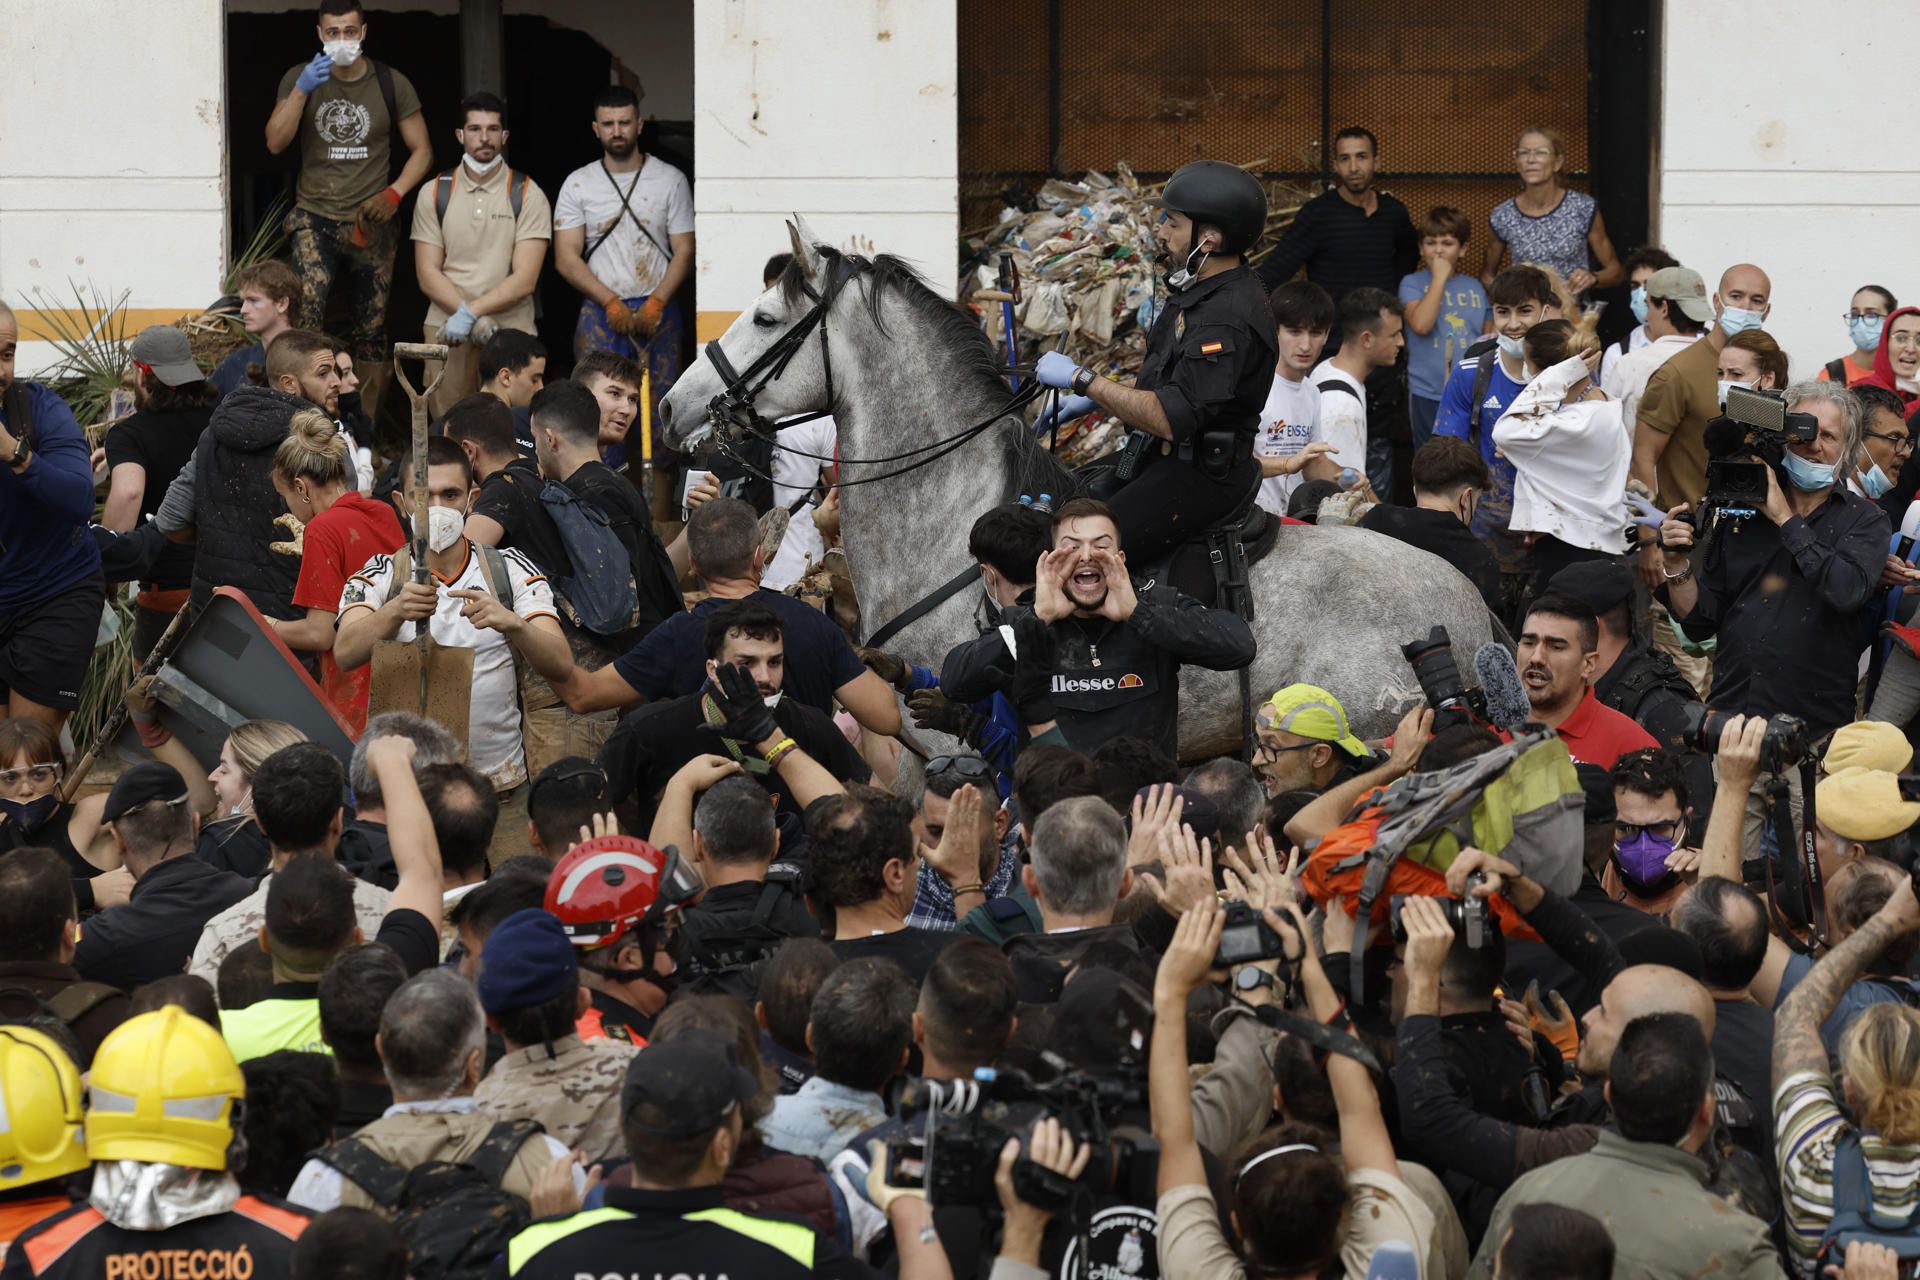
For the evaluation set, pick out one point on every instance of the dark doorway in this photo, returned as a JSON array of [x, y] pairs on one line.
[[551, 76]]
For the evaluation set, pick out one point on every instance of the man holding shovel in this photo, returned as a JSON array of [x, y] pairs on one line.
[[494, 603]]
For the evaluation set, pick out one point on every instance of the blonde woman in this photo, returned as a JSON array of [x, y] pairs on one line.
[[313, 471], [232, 839], [1549, 224]]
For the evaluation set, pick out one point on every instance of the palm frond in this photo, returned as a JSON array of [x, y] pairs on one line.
[[90, 342], [268, 239], [109, 672]]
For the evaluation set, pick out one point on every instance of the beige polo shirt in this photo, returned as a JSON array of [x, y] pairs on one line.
[[478, 235]]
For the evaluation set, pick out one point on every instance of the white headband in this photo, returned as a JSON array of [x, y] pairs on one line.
[[1248, 1167]]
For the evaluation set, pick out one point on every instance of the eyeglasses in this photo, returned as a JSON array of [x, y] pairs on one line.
[[972, 768], [1864, 315], [1267, 751], [40, 775], [1901, 444], [1532, 153], [1625, 831]]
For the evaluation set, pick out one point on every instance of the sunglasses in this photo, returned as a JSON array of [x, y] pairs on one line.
[[972, 768]]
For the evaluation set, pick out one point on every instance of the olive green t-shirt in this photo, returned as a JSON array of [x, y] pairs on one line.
[[1680, 399], [345, 150]]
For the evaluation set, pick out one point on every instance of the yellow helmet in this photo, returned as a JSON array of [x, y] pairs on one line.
[[39, 1109], [164, 1089]]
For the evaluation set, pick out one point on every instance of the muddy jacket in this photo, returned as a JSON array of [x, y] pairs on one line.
[[235, 505], [575, 1094], [1113, 678]]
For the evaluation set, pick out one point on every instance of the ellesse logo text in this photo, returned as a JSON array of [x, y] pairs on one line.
[[1096, 684]]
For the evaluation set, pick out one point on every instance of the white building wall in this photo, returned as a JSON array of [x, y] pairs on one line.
[[1770, 152], [844, 111], [112, 158]]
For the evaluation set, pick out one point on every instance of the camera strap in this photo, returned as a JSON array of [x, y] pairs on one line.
[[1322, 1037], [1809, 855]]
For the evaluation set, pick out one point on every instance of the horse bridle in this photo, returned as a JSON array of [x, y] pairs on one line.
[[733, 417]]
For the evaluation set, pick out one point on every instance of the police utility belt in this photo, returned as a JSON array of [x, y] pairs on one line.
[[1212, 449]]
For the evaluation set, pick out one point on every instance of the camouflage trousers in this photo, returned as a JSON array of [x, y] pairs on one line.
[[356, 259]]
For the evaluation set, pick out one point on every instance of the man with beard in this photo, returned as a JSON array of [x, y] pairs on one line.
[[1351, 236], [479, 236], [1112, 650], [1196, 407], [1559, 651], [623, 236], [493, 602]]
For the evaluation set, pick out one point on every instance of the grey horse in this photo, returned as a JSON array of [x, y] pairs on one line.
[[909, 369]]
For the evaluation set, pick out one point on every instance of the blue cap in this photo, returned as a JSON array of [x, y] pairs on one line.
[[527, 961]]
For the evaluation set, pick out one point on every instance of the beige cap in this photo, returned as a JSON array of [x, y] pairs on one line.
[[1868, 744], [1864, 804]]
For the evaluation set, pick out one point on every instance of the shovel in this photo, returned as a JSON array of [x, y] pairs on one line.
[[422, 676]]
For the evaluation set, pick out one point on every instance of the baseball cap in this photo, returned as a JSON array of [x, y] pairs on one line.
[[1598, 584], [1103, 1020], [1198, 811], [528, 961], [1868, 744], [692, 1078], [1863, 804], [1683, 287], [143, 784], [165, 350], [1308, 711]]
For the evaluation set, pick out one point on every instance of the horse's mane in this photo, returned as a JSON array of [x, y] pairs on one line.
[[1035, 470]]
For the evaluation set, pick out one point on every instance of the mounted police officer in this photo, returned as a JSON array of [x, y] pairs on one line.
[[1195, 408]]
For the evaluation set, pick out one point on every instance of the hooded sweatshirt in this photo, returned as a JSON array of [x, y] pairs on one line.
[[235, 504], [1883, 374]]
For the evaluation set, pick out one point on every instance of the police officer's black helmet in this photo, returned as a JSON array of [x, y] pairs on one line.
[[1220, 195]]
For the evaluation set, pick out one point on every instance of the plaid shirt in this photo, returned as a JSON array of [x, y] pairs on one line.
[[933, 903]]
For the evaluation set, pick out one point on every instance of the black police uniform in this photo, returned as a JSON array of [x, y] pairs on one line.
[[1210, 360], [252, 1241], [734, 928], [1644, 685], [640, 1235], [1114, 678]]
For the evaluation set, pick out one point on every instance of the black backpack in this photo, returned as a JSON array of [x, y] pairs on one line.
[[1487, 352], [734, 969], [455, 1217]]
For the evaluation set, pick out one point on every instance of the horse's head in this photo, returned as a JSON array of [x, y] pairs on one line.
[[771, 365]]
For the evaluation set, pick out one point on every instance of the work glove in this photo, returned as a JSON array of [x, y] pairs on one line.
[[1031, 689], [1068, 408], [748, 719], [620, 317], [460, 324], [933, 710], [646, 321], [1055, 370], [315, 73], [889, 668]]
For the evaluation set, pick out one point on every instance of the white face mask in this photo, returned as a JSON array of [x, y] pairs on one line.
[[343, 52], [772, 700], [443, 527], [487, 167]]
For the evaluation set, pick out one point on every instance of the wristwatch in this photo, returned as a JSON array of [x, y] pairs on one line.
[[1082, 379], [1251, 977], [21, 452]]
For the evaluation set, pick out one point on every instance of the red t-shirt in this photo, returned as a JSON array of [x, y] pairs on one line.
[[1597, 734], [339, 542]]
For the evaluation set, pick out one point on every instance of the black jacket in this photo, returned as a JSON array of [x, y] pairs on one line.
[[235, 505], [1114, 678], [152, 935], [734, 928], [80, 1244]]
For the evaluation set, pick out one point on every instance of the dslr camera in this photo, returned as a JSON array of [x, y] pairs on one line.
[[1245, 937], [1782, 748], [1470, 916], [1746, 441], [1440, 683]]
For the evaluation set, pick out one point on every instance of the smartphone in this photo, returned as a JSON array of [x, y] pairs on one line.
[[690, 479], [906, 1163]]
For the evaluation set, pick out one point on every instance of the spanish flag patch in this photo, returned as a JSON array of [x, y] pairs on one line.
[[1211, 348]]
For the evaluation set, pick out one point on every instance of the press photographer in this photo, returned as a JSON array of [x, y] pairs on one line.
[[1786, 591]]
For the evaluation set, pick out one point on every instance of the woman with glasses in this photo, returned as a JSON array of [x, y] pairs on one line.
[[1896, 365], [1866, 319], [1550, 225]]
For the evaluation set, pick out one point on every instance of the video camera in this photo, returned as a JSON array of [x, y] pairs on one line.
[[1782, 748], [958, 1127], [1440, 683], [1742, 444], [1470, 916]]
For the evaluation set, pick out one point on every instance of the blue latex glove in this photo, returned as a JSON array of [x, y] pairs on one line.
[[1055, 370], [1069, 408], [460, 324], [315, 73], [1645, 513]]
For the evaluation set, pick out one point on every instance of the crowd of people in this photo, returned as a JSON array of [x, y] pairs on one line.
[[686, 960]]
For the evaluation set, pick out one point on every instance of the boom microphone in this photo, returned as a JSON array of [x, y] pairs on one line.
[[1507, 705]]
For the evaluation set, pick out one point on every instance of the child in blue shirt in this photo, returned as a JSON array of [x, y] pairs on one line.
[[1446, 312]]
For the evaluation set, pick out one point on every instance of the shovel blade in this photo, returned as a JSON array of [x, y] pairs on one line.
[[397, 682]]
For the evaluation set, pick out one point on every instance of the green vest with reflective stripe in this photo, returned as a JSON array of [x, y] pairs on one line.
[[791, 1238]]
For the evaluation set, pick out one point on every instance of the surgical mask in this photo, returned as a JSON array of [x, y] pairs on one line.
[[1512, 347], [443, 527], [1738, 320], [1865, 331], [1638, 301], [343, 52], [1190, 272], [1875, 482], [1808, 477], [1642, 863], [773, 700], [1726, 385], [27, 815], [485, 168]]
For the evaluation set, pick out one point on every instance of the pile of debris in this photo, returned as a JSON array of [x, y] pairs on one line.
[[1084, 257]]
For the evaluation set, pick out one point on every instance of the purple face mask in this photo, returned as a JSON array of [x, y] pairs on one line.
[[1642, 863]]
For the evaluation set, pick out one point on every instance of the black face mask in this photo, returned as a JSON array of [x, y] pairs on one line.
[[350, 404]]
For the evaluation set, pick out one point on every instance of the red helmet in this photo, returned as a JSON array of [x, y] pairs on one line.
[[607, 886]]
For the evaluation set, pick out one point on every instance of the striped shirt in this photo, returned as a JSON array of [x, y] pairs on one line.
[[1807, 1123]]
